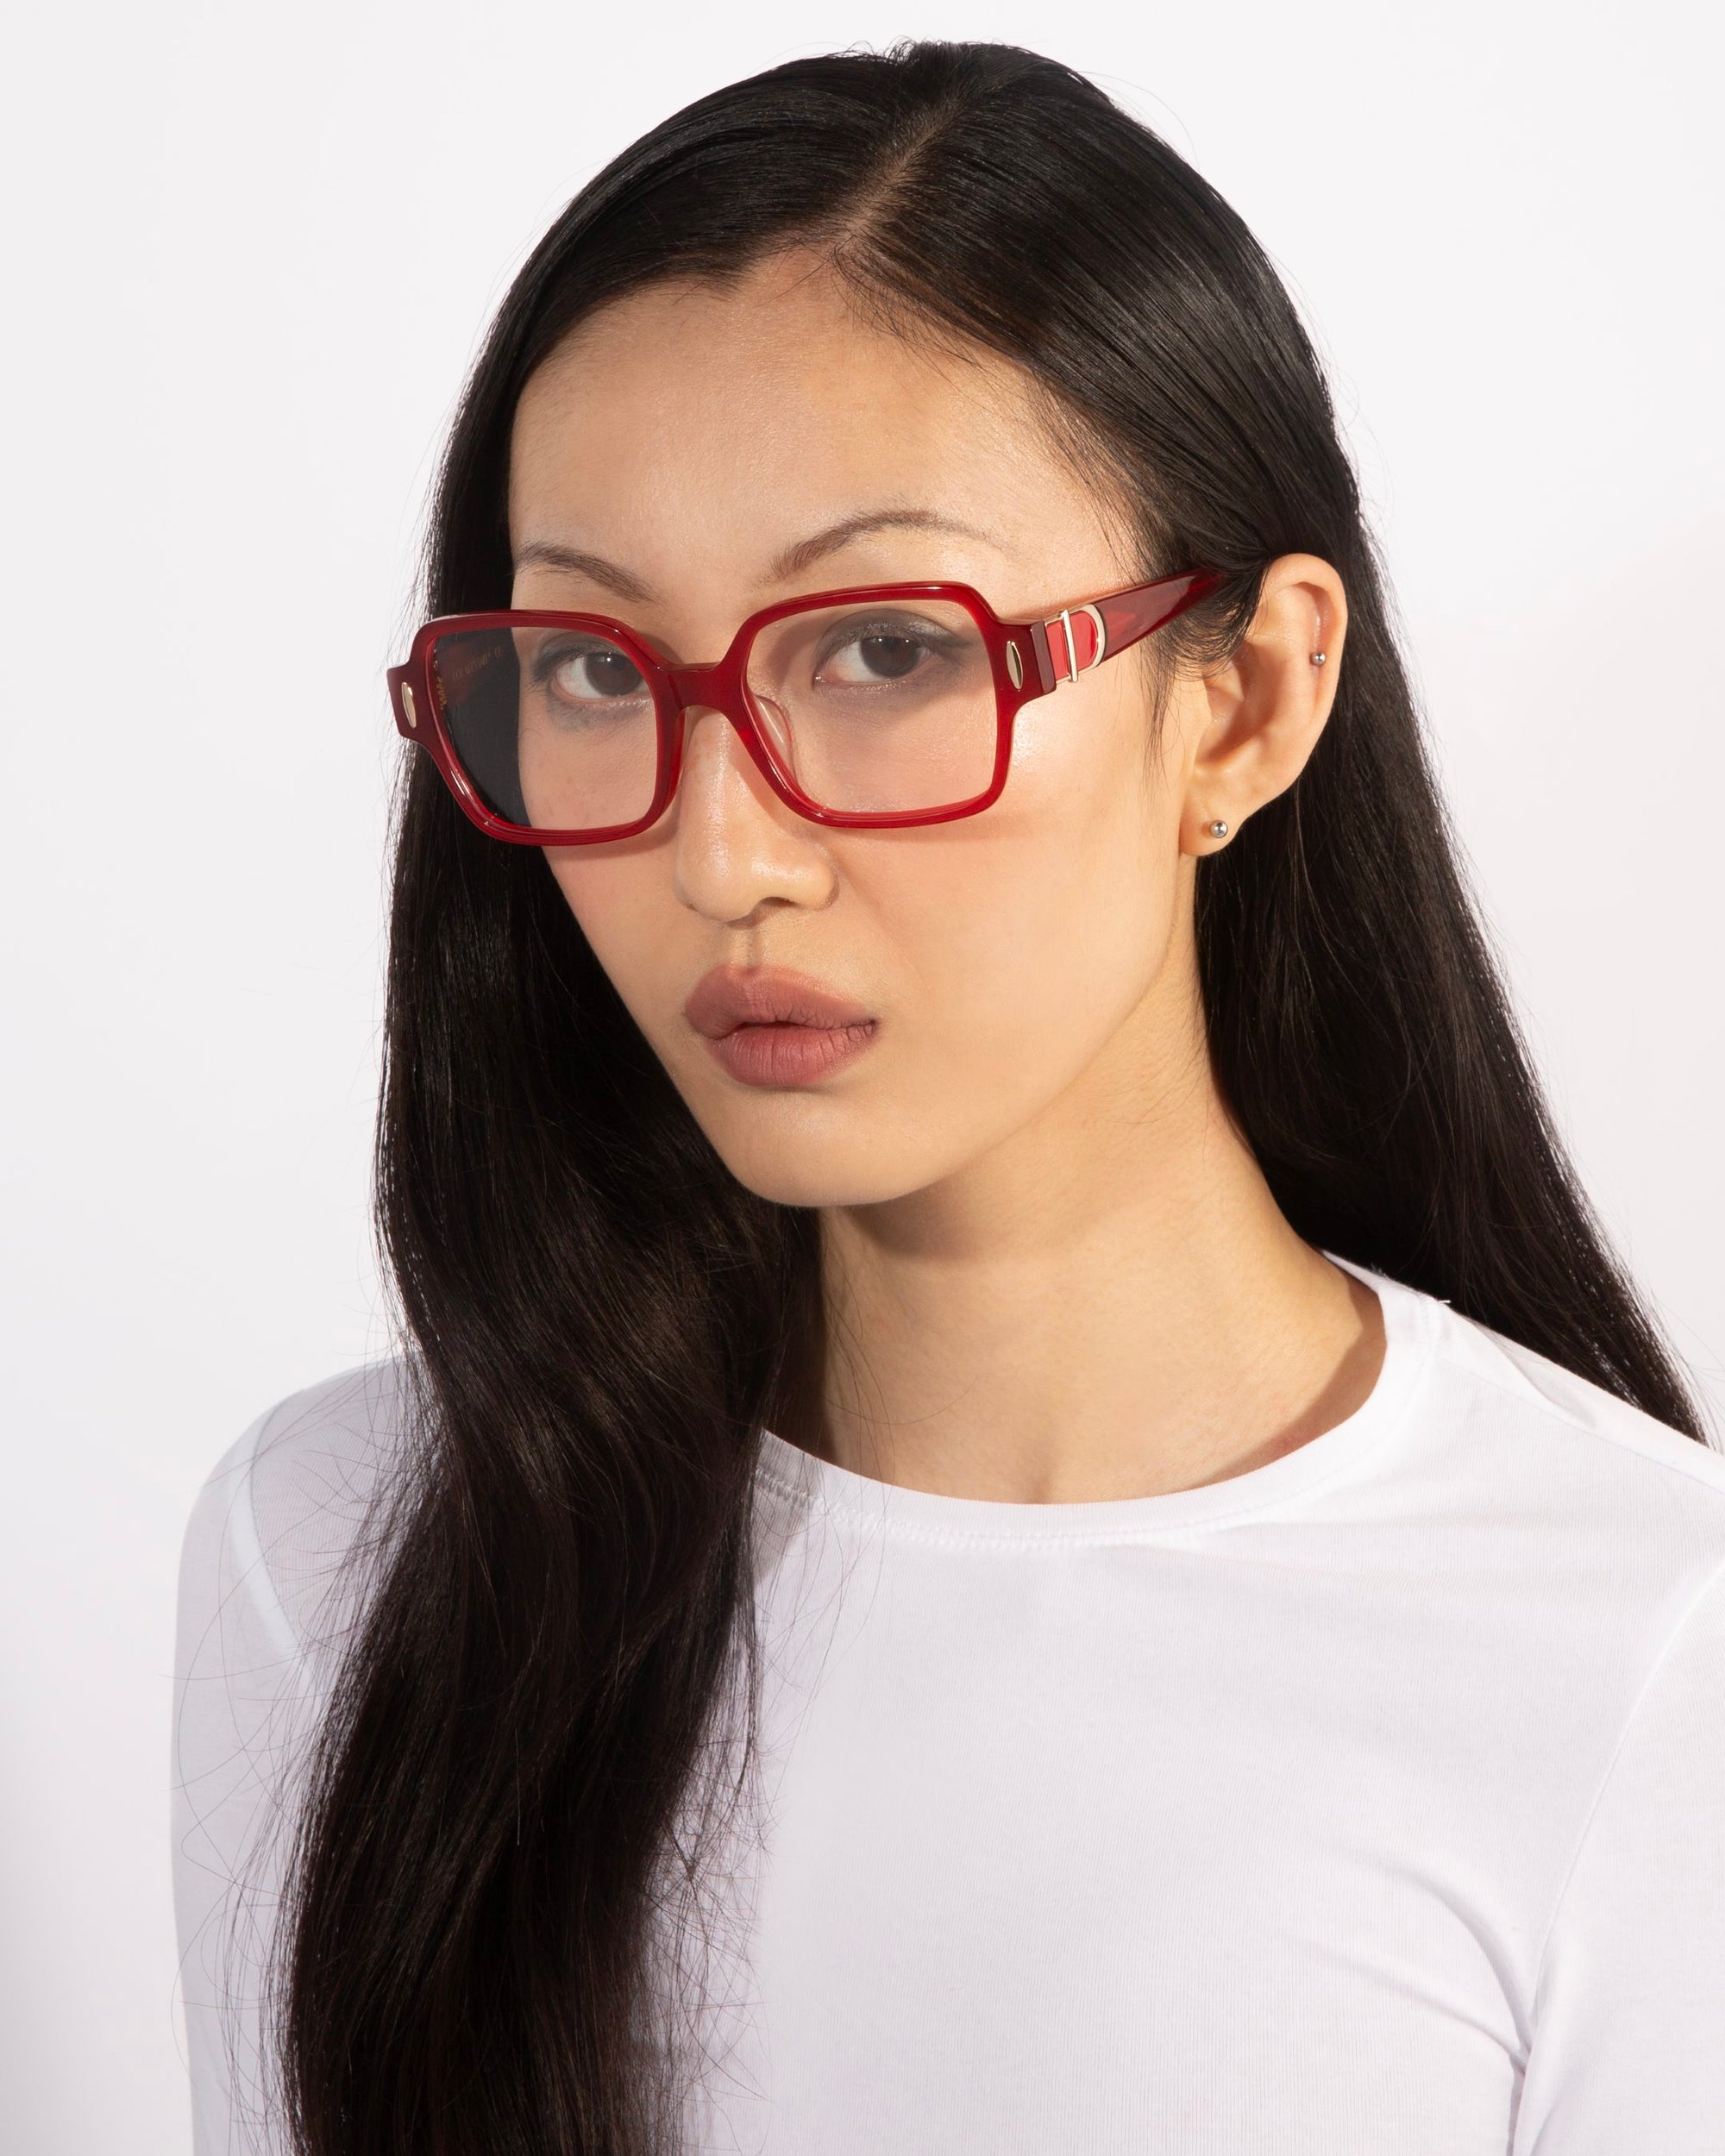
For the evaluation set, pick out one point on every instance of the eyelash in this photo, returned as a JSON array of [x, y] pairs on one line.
[[930, 635]]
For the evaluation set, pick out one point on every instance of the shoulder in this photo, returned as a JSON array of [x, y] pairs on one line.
[[1603, 1440], [273, 1571], [281, 1526], [1563, 1486]]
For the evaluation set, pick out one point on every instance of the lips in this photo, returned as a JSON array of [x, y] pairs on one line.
[[771, 1027]]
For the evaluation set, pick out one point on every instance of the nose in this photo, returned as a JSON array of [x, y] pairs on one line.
[[737, 850]]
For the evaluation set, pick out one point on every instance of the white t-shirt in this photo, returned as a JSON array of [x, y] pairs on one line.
[[1372, 1803]]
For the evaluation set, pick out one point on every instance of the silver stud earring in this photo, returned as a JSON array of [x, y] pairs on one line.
[[1219, 829], [1319, 657]]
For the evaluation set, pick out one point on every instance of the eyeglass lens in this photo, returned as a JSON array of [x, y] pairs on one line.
[[554, 727], [881, 707]]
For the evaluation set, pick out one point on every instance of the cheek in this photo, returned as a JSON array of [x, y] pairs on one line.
[[621, 902], [1033, 946], [1018, 944], [1003, 952]]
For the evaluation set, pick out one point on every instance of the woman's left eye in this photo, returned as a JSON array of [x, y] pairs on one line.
[[875, 655]]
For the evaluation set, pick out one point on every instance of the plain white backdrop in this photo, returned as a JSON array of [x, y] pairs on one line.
[[250, 252]]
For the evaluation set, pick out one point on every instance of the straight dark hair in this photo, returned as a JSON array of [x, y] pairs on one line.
[[498, 1827]]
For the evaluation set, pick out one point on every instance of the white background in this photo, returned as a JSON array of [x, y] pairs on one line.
[[251, 251]]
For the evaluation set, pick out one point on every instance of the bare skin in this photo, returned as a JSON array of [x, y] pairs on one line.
[[1052, 1269]]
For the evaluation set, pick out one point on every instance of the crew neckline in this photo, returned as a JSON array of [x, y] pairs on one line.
[[1409, 1320]]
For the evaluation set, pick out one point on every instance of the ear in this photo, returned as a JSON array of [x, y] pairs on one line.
[[1257, 720]]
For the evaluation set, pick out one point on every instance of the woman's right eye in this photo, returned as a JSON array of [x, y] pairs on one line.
[[590, 673]]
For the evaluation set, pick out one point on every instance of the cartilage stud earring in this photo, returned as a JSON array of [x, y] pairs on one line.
[[1319, 657], [1219, 829]]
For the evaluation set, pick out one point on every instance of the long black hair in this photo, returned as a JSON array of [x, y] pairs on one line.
[[600, 1315]]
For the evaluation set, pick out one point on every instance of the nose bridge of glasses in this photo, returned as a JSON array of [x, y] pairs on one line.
[[718, 687], [712, 688]]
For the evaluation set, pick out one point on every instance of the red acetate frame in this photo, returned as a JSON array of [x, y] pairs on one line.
[[1028, 659]]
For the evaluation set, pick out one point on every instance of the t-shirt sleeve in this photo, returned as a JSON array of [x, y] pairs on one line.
[[239, 1688], [1628, 2046]]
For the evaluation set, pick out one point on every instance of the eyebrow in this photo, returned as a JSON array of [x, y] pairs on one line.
[[806, 552], [573, 561], [543, 554]]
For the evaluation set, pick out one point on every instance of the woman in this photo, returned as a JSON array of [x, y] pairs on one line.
[[1022, 1509]]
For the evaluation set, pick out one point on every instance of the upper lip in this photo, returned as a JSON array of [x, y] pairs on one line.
[[728, 997]]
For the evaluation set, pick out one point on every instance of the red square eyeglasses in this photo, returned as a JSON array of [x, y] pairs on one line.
[[878, 706]]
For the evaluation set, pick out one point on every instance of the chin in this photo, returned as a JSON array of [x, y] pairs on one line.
[[783, 1159]]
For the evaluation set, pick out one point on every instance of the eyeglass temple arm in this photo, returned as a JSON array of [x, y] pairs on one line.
[[1079, 637]]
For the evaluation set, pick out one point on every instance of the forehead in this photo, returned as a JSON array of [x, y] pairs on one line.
[[729, 414]]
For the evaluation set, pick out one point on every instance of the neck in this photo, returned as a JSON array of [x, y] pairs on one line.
[[1109, 1304]]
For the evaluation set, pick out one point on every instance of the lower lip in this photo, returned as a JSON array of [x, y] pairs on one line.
[[789, 1055]]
